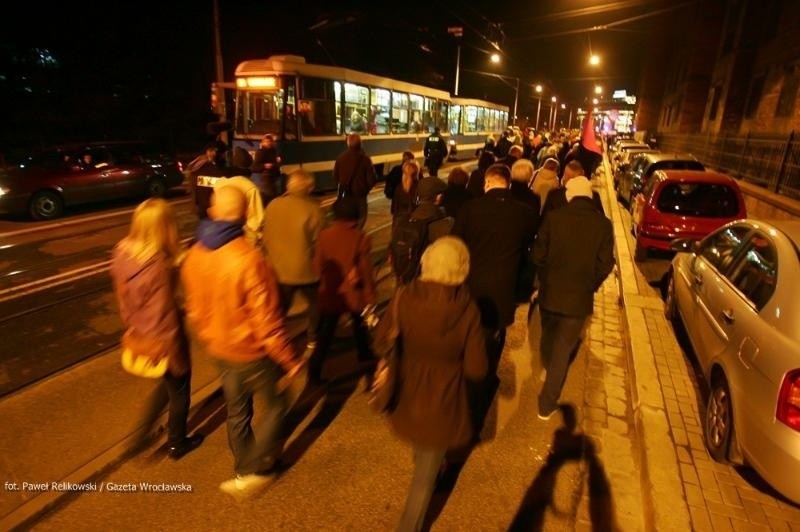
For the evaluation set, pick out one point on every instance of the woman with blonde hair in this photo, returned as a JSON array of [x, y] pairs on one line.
[[144, 275]]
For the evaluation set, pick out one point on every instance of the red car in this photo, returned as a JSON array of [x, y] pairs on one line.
[[683, 203]]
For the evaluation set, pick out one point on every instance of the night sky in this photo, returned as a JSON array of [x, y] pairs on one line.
[[77, 71]]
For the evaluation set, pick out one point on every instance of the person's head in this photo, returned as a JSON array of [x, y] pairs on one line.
[[445, 261], [458, 177], [228, 204], [300, 182], [497, 176], [266, 141], [345, 209], [211, 151], [436, 131], [551, 164], [410, 175], [486, 160], [430, 189], [578, 186], [153, 230], [573, 168], [408, 156], [354, 141], [537, 140], [515, 151], [522, 171]]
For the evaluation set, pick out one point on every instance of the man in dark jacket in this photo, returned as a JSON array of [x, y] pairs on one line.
[[355, 175], [435, 151], [497, 230], [574, 253]]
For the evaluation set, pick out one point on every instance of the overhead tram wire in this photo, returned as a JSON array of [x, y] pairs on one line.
[[608, 26]]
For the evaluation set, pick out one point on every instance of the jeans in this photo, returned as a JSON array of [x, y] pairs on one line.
[[327, 329], [560, 338], [427, 463], [255, 449], [172, 392], [311, 293]]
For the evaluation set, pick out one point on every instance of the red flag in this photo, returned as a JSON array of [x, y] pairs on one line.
[[588, 139]]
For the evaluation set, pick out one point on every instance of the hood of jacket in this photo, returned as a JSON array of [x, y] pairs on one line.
[[126, 268], [215, 234], [440, 306]]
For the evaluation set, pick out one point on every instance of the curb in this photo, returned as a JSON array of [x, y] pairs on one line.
[[659, 474]]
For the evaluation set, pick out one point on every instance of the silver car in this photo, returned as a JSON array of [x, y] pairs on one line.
[[736, 292]]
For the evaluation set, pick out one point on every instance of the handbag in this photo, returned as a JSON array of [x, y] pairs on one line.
[[383, 389], [143, 366], [143, 356], [352, 287]]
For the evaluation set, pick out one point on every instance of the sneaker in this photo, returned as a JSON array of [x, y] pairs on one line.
[[186, 446], [244, 485], [546, 416]]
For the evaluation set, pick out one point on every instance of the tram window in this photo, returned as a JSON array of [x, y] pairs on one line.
[[442, 115], [317, 108], [290, 126], [480, 121], [337, 96], [493, 119], [416, 113], [428, 115], [379, 111], [470, 122], [399, 112], [356, 99], [260, 112], [455, 119]]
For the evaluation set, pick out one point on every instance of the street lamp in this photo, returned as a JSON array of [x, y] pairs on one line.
[[495, 57], [539, 105], [594, 59], [598, 89], [553, 110]]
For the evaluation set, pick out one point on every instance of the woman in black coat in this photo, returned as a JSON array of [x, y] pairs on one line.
[[456, 193]]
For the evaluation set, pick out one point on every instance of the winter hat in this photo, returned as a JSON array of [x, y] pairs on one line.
[[579, 186], [430, 187], [445, 261]]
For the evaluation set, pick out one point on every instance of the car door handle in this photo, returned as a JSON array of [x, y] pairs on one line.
[[698, 280], [727, 315]]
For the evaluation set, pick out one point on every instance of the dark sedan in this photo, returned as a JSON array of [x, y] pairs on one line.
[[44, 184]]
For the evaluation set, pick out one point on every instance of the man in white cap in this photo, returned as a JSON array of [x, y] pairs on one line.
[[557, 198], [574, 253]]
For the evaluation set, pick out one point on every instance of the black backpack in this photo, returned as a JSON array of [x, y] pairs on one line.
[[409, 240]]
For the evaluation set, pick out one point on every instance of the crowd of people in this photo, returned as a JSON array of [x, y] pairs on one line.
[[520, 229]]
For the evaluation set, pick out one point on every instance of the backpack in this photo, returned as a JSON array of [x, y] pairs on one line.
[[409, 240]]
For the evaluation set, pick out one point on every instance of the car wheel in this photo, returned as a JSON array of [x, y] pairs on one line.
[[639, 252], [46, 205], [670, 305], [718, 426], [156, 188]]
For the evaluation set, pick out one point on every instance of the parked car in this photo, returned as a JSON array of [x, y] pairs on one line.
[[620, 152], [45, 183], [633, 180], [736, 294], [683, 203], [623, 161]]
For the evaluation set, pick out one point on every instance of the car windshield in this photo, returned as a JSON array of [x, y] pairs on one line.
[[698, 199]]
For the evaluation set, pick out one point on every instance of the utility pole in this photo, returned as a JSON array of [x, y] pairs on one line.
[[220, 91], [457, 32]]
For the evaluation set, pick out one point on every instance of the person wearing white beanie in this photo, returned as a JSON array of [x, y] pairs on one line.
[[578, 186], [446, 261]]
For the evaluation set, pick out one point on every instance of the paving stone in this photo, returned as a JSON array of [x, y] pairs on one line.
[[596, 399], [679, 436], [689, 474], [712, 495], [616, 407], [617, 425], [700, 520], [755, 513], [730, 495], [683, 454], [778, 525], [726, 510], [694, 495], [596, 414], [720, 523]]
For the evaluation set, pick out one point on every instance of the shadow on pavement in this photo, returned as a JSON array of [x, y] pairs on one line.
[[567, 446]]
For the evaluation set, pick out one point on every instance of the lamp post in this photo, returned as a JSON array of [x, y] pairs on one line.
[[457, 32], [504, 79], [553, 113], [539, 105]]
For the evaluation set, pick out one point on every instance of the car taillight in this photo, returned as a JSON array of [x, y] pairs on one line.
[[180, 166], [789, 400]]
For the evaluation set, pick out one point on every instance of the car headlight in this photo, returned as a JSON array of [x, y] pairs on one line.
[[4, 191]]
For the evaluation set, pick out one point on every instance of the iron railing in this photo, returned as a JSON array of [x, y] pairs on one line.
[[769, 161]]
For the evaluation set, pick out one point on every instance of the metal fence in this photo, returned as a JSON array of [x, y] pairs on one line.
[[771, 162]]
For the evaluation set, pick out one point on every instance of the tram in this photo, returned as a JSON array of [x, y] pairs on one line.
[[309, 108]]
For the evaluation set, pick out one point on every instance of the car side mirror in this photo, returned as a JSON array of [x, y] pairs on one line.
[[685, 245]]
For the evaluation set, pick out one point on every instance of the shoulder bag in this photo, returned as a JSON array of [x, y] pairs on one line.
[[383, 390]]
